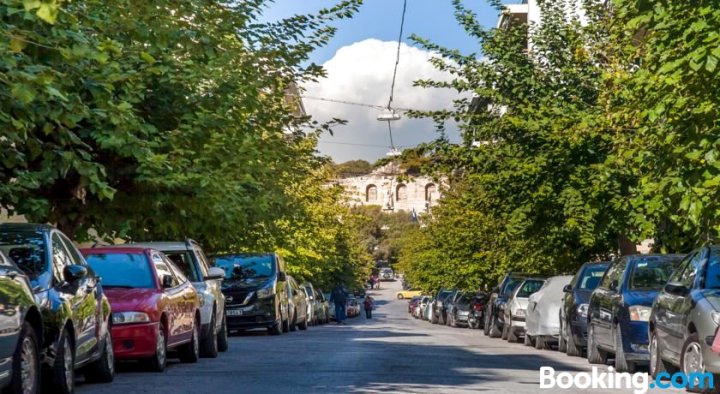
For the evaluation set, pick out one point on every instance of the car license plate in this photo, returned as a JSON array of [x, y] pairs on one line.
[[234, 312]]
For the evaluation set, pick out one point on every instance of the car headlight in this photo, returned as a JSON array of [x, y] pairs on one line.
[[715, 317], [267, 291], [582, 310], [639, 313], [521, 312], [130, 317]]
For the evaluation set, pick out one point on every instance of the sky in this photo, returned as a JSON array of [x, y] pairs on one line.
[[359, 63]]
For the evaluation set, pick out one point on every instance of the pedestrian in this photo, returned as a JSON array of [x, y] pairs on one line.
[[369, 303], [339, 298]]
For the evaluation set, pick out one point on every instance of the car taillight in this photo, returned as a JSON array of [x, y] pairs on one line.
[[479, 307]]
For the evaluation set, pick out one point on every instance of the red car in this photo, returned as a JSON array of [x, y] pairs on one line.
[[154, 306]]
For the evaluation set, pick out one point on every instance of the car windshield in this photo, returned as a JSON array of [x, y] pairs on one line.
[[511, 284], [463, 300], [246, 266], [443, 294], [183, 259], [128, 270], [26, 249], [529, 287], [651, 274], [591, 276]]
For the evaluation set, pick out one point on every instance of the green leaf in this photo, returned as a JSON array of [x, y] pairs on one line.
[[23, 93]]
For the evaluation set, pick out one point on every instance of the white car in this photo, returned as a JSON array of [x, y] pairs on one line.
[[418, 312], [516, 308], [207, 281], [428, 310], [543, 312]]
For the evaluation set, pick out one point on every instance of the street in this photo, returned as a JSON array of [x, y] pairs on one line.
[[390, 353]]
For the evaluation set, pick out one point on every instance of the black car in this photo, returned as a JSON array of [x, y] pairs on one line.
[[75, 311], [439, 313], [20, 315], [494, 319], [619, 309], [573, 314], [459, 310], [256, 294]]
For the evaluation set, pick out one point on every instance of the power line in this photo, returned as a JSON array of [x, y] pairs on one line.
[[352, 143], [397, 55], [348, 102]]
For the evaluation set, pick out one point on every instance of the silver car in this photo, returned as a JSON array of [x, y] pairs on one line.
[[207, 281], [542, 324]]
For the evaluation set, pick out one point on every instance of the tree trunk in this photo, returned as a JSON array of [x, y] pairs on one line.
[[626, 246]]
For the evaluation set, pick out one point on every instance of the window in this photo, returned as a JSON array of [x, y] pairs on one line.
[[163, 269], [529, 287], [591, 276], [611, 280], [651, 274], [177, 273], [60, 256], [127, 270], [183, 259], [26, 249], [430, 192], [371, 193], [204, 262], [712, 275], [678, 273], [241, 267], [401, 193], [74, 254], [688, 276]]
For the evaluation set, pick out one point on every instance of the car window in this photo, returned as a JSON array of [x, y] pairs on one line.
[[680, 270], [511, 285], [26, 249], [650, 274], [591, 276], [712, 272], [246, 266], [529, 287], [613, 274], [179, 275], [75, 255], [127, 270], [204, 262], [690, 273], [60, 257], [163, 269], [183, 259]]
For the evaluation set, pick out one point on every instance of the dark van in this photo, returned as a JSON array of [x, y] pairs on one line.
[[255, 291]]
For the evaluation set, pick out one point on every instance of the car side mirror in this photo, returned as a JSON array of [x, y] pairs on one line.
[[282, 277], [567, 289], [215, 273], [676, 288], [167, 281], [74, 272]]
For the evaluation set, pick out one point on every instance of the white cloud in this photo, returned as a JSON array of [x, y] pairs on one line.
[[362, 72]]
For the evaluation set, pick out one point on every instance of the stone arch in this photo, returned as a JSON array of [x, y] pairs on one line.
[[430, 192], [371, 193], [401, 192]]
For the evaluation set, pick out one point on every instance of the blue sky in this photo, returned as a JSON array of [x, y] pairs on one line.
[[359, 61]]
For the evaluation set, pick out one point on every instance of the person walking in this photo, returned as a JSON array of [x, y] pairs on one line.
[[368, 303], [339, 298]]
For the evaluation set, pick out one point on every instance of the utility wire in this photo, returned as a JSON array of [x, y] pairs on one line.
[[394, 78], [347, 102]]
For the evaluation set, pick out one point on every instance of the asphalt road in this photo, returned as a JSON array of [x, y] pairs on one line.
[[390, 353]]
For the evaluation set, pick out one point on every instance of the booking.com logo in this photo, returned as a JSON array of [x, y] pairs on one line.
[[640, 382]]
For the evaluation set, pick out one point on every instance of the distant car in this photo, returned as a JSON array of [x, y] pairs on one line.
[[352, 307], [403, 294], [298, 309], [428, 311], [542, 324], [331, 307], [573, 313], [418, 311], [155, 307], [620, 307], [439, 313], [256, 293], [459, 310], [359, 292], [71, 297], [20, 316], [387, 274], [310, 302], [516, 308], [413, 303], [207, 281], [686, 315], [494, 311]]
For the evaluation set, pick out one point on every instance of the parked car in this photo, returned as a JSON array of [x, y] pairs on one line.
[[310, 301], [476, 317], [494, 315], [413, 303], [619, 309], [155, 308], [320, 307], [352, 307], [573, 313], [255, 290], [359, 292], [427, 313], [418, 311], [298, 308], [331, 307], [387, 274], [439, 313], [20, 316], [459, 310], [75, 310], [542, 325], [207, 281], [685, 317], [516, 308], [405, 294]]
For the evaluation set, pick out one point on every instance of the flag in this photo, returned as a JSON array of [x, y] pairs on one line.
[[414, 215]]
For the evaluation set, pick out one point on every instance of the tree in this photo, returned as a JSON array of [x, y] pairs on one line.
[[353, 168]]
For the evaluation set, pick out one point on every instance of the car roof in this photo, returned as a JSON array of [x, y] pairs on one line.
[[166, 245], [117, 249], [26, 227], [244, 254], [640, 257]]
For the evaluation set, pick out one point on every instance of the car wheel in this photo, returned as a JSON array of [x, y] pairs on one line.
[[486, 326], [63, 373], [433, 317], [209, 347], [190, 352], [26, 363], [656, 364], [505, 329], [102, 370], [693, 364], [594, 355], [528, 340], [495, 330], [562, 342], [158, 362], [621, 363], [572, 348], [400, 297], [540, 342], [511, 334], [278, 328], [222, 340], [293, 323], [304, 325]]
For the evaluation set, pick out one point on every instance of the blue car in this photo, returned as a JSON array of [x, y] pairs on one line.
[[619, 309]]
